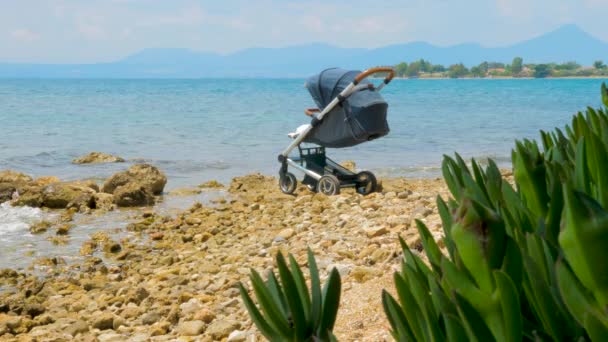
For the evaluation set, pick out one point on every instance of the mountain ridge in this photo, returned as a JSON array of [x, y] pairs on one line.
[[566, 43]]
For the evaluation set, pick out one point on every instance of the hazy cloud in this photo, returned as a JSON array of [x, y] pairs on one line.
[[24, 35]]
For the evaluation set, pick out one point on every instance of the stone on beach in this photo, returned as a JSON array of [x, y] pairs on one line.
[[97, 157], [145, 175]]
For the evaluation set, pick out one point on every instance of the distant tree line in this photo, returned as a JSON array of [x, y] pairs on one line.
[[425, 69]]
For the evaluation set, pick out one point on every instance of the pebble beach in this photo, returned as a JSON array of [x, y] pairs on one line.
[[175, 276]]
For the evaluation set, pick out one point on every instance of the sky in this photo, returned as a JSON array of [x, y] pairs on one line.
[[88, 31]]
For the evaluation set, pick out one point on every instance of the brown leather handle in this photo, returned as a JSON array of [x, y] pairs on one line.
[[368, 72], [311, 111]]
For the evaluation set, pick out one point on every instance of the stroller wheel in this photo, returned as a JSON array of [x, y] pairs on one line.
[[366, 183], [329, 185], [288, 183]]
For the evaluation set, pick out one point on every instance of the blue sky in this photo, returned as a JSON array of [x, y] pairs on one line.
[[72, 31]]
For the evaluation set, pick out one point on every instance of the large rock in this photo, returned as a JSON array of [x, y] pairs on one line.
[[6, 191], [97, 157], [9, 176], [191, 328], [133, 195], [31, 196], [145, 175], [63, 195]]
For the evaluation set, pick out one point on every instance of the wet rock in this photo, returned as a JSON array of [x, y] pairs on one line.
[[62, 195], [30, 196], [10, 176], [144, 175], [64, 229], [45, 180], [132, 195], [103, 201], [191, 328], [185, 192], [97, 157], [6, 192], [40, 227], [212, 184]]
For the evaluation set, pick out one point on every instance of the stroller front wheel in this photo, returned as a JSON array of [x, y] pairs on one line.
[[366, 183], [329, 185], [288, 183]]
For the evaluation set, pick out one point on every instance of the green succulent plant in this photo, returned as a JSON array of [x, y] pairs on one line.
[[288, 311]]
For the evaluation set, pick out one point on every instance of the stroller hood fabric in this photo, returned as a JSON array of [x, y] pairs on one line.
[[360, 118]]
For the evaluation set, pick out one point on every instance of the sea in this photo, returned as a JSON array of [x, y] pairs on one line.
[[197, 130]]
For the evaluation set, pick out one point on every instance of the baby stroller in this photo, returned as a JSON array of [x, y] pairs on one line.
[[350, 112]]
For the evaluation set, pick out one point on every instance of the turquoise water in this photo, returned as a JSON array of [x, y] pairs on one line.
[[196, 130]]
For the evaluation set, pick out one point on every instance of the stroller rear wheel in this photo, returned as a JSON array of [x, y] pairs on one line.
[[288, 183], [329, 185], [366, 183]]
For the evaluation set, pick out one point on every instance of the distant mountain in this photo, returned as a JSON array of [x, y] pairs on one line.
[[568, 43]]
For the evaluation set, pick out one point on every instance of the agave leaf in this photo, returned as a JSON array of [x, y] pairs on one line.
[[270, 308], [452, 177], [430, 246], [298, 277], [411, 308], [605, 94], [315, 289], [575, 296], [545, 307], [597, 158], [399, 323], [471, 320], [296, 307], [331, 302], [596, 329], [277, 293], [553, 220], [584, 239], [509, 300], [441, 302], [512, 263], [257, 318], [454, 329]]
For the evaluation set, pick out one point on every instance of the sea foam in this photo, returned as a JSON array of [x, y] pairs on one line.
[[13, 219]]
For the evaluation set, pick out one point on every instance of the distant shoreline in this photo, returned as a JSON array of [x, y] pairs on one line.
[[498, 78]]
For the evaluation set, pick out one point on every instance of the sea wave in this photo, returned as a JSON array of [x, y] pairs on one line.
[[15, 219]]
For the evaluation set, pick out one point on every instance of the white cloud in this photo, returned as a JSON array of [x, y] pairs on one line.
[[24, 35]]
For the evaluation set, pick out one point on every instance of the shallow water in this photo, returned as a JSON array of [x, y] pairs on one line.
[[18, 247], [197, 130]]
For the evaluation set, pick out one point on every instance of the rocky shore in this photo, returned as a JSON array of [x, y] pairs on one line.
[[176, 277]]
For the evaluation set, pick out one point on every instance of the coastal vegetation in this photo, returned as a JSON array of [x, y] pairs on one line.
[[517, 68], [517, 261]]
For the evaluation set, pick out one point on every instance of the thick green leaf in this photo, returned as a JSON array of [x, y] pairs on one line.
[[257, 317], [454, 329], [270, 308], [430, 246], [411, 309], [331, 302], [296, 307], [315, 289], [277, 293], [509, 302], [597, 330], [574, 295], [298, 277], [471, 320], [399, 323]]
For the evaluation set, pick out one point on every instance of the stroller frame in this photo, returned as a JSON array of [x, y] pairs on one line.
[[321, 173]]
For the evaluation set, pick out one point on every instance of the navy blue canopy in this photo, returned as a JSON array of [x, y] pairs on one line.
[[360, 118]]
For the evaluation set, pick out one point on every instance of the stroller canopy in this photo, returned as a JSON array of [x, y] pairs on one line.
[[360, 118]]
